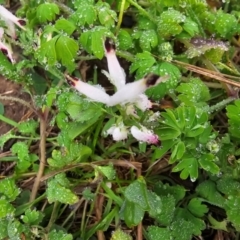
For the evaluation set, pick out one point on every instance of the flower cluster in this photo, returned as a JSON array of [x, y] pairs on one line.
[[128, 95], [9, 21]]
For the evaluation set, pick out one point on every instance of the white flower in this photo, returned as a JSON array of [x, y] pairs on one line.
[[154, 117], [144, 135], [5, 48], [10, 20], [126, 93], [119, 132]]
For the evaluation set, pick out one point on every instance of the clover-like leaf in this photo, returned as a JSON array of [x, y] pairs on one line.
[[188, 167], [66, 49], [9, 188], [196, 207], [65, 25], [56, 191], [59, 235], [155, 232], [47, 12], [208, 190], [32, 217]]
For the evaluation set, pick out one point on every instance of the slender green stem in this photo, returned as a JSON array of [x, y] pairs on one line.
[[54, 215], [219, 105], [141, 10], [8, 121], [85, 58], [120, 17]]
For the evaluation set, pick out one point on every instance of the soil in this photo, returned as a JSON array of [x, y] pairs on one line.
[[12, 110]]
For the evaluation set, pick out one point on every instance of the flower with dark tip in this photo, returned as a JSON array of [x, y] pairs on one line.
[[10, 21], [129, 94], [126, 93]]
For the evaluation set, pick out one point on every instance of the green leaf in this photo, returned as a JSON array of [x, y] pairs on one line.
[[165, 146], [120, 235], [107, 17], [59, 235], [85, 13], [148, 40], [56, 191], [196, 207], [188, 167], [92, 40], [182, 229], [65, 25], [225, 24], [74, 153], [191, 27], [24, 159], [195, 92], [108, 171], [208, 190], [66, 49], [32, 217], [218, 225], [28, 127], [161, 89], [158, 233], [206, 161], [178, 192], [124, 40], [9, 188], [168, 209], [47, 12], [133, 213], [137, 193], [228, 186], [47, 49], [6, 208], [232, 209], [5, 137], [169, 23], [142, 63], [167, 133], [233, 113], [210, 48], [79, 3], [74, 129], [77, 113], [198, 224], [177, 152], [3, 228]]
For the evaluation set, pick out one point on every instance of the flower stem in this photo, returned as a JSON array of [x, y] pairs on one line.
[[8, 121], [141, 10], [120, 17], [219, 105]]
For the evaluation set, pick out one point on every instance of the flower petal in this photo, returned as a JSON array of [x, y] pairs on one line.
[[144, 135], [9, 20], [8, 16], [131, 91], [92, 92], [142, 102], [1, 32], [118, 77], [119, 132], [7, 51]]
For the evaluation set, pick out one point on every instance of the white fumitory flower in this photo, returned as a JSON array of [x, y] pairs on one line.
[[126, 93], [10, 20], [5, 48], [119, 132], [144, 135]]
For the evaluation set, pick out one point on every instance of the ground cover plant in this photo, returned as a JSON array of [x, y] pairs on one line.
[[131, 128]]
